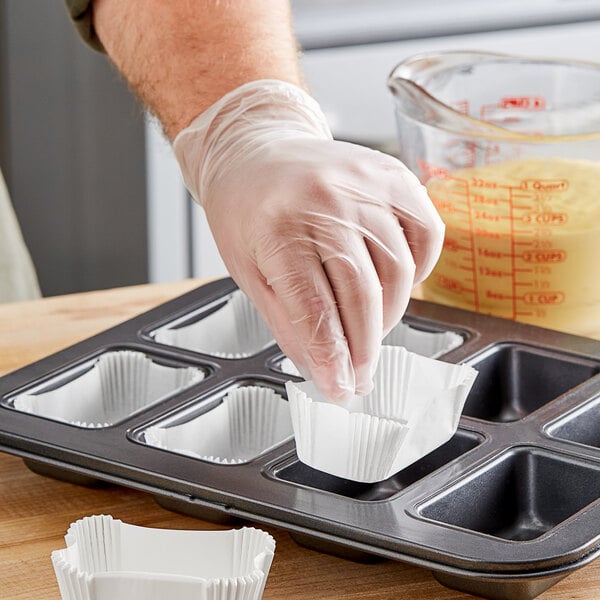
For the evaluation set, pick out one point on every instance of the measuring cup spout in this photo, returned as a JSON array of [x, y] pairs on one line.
[[421, 84]]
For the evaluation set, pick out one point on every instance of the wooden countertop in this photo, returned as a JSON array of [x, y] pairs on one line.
[[35, 511]]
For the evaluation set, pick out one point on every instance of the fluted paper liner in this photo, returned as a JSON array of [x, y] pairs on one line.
[[249, 421], [235, 330], [117, 385], [288, 367], [426, 343], [414, 408], [106, 559]]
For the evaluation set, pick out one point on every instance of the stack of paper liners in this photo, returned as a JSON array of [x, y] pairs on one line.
[[106, 559], [414, 408], [117, 385], [249, 421], [235, 330], [426, 343]]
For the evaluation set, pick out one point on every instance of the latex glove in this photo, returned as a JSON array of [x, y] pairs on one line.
[[327, 238]]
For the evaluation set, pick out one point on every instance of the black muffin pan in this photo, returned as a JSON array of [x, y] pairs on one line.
[[505, 509]]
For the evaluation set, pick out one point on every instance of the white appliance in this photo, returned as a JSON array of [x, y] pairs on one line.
[[350, 47]]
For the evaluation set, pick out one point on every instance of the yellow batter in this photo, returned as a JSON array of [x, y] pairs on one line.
[[522, 242]]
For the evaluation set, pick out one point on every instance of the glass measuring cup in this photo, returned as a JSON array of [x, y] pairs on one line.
[[509, 150]]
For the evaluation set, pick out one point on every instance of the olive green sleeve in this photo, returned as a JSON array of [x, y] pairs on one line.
[[81, 13]]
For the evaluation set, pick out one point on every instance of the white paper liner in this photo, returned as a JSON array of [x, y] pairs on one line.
[[234, 331], [106, 559], [426, 343], [288, 367], [249, 421], [117, 385], [414, 408]]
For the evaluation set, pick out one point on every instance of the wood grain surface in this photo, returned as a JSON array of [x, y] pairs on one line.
[[35, 511]]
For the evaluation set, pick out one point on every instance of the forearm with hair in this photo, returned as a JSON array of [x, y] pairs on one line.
[[180, 56]]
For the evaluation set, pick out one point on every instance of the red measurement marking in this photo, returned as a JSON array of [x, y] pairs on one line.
[[452, 209], [525, 231], [462, 106], [544, 256], [445, 205], [451, 245], [472, 244], [546, 185], [512, 249], [488, 234], [477, 182], [485, 110], [523, 102], [487, 272], [485, 216], [544, 298], [430, 170], [490, 253], [447, 283], [481, 199], [491, 151], [496, 295], [545, 218]]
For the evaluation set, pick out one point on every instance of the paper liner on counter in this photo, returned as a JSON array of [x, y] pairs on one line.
[[235, 330], [106, 559], [115, 386], [249, 421], [414, 408], [427, 343]]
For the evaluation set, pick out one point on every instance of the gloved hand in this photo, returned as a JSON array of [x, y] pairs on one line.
[[326, 238]]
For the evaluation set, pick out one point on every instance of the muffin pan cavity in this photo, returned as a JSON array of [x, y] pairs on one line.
[[299, 473], [515, 380], [230, 328], [431, 343], [189, 403], [236, 426], [106, 389], [520, 496], [582, 426]]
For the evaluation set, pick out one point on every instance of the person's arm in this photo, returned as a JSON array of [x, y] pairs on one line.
[[180, 56], [326, 238]]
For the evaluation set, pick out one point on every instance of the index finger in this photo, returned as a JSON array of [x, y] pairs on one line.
[[297, 278]]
